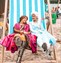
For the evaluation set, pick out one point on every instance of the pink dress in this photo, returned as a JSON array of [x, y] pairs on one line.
[[32, 38], [9, 43]]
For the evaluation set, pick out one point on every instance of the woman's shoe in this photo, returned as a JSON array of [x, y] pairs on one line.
[[44, 46]]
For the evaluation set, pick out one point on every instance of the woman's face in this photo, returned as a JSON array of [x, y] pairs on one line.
[[34, 17], [24, 21]]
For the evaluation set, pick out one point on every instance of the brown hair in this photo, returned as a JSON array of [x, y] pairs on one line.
[[22, 17]]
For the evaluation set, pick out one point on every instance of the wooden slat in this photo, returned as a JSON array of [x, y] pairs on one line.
[[41, 61]]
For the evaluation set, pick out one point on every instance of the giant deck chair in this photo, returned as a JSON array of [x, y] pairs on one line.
[[25, 7]]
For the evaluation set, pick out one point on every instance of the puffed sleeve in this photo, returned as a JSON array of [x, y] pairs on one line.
[[17, 26]]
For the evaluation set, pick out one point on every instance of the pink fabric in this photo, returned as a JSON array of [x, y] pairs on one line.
[[32, 38], [9, 43], [17, 26]]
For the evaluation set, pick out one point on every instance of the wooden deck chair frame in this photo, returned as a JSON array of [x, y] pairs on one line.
[[5, 18], [4, 26]]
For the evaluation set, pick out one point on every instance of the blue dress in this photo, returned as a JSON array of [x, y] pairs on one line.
[[43, 36]]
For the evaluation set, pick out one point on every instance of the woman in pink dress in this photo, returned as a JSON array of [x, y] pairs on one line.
[[20, 28], [23, 28]]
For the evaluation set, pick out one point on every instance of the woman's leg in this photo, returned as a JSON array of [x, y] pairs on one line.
[[39, 42], [33, 43], [51, 38], [43, 39]]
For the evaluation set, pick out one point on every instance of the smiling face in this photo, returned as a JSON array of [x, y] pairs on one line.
[[34, 17], [23, 19]]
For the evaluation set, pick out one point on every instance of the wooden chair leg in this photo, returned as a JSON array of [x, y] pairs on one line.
[[21, 51], [55, 56], [18, 56], [2, 54]]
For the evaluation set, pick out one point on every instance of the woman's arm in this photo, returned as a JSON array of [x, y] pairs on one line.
[[15, 30], [18, 31]]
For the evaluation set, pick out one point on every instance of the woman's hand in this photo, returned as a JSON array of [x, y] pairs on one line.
[[27, 32], [21, 32]]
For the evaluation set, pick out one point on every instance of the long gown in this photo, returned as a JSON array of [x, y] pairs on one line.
[[10, 45], [43, 36], [32, 38]]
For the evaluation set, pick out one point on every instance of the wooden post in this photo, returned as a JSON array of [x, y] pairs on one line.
[[50, 18], [4, 26]]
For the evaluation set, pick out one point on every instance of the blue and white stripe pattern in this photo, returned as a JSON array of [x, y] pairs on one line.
[[25, 7]]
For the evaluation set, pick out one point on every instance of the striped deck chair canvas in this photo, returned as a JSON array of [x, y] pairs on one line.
[[25, 7]]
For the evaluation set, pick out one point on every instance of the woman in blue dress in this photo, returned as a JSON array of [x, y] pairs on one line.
[[43, 36]]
